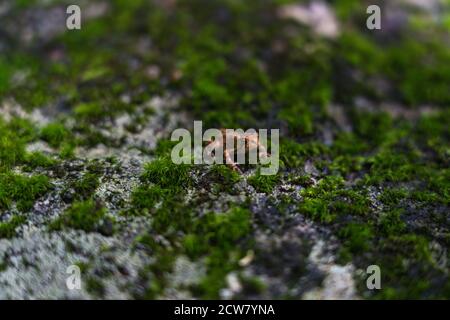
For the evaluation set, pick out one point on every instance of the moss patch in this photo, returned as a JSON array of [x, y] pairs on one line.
[[8, 229], [21, 190], [89, 215]]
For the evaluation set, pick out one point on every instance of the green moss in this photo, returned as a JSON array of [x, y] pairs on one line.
[[329, 199], [391, 196], [55, 134], [12, 64], [317, 209], [13, 137], [213, 236], [391, 223], [222, 179], [407, 63], [253, 70], [370, 130], [86, 186], [428, 197], [22, 128], [404, 258], [293, 154], [371, 127], [164, 147], [220, 231], [424, 62], [5, 75], [86, 215], [95, 286], [299, 119], [301, 180], [155, 275], [345, 165], [166, 174], [67, 150], [356, 236], [172, 217], [433, 134], [97, 167], [145, 198], [11, 152], [327, 184], [388, 166], [217, 235], [219, 264], [37, 159], [252, 285], [21, 190], [89, 111], [162, 180], [8, 229], [263, 183], [170, 220], [345, 9]]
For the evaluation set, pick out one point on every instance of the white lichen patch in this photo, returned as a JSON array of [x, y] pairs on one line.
[[185, 273], [317, 15], [338, 284], [36, 264], [10, 109]]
